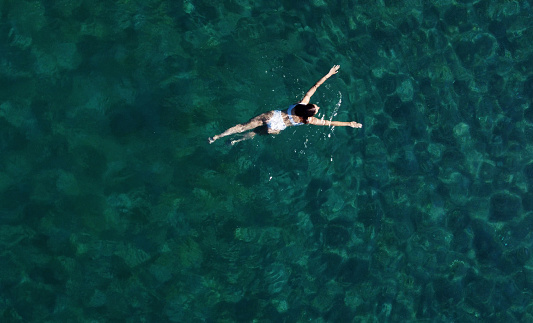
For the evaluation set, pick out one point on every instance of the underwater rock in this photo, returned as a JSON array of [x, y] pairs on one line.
[[384, 259], [435, 151], [11, 208], [280, 305], [304, 223], [276, 277], [504, 179], [458, 186], [421, 150], [479, 290], [485, 110], [407, 163], [524, 278], [522, 255], [502, 297], [405, 90], [416, 254], [457, 220], [486, 245], [336, 236], [33, 301], [334, 204], [354, 271], [270, 236], [133, 256], [462, 241], [11, 235], [448, 291], [98, 299], [404, 223], [513, 107], [392, 107], [496, 84], [405, 114], [189, 253], [126, 122], [371, 211], [11, 138], [457, 16], [339, 312], [404, 230], [395, 139], [67, 183], [458, 270], [88, 161], [176, 310], [67, 55], [28, 16], [461, 132], [374, 148], [430, 16], [66, 7], [161, 273], [386, 84], [474, 51], [332, 262], [377, 171], [522, 229], [324, 301], [409, 24], [486, 171], [19, 116], [528, 90], [246, 310], [11, 272], [504, 207], [528, 173], [527, 201], [59, 242]]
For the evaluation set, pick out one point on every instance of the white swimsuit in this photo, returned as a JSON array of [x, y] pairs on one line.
[[276, 121]]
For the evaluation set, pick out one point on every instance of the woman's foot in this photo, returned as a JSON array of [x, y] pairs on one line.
[[246, 136]]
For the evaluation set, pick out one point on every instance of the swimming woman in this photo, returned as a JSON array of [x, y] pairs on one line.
[[273, 122]]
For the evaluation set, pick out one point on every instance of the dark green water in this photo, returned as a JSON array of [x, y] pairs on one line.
[[114, 208]]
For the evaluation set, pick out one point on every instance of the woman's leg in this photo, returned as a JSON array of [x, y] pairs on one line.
[[252, 124], [246, 136]]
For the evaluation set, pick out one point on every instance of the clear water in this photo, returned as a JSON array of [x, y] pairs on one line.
[[113, 206]]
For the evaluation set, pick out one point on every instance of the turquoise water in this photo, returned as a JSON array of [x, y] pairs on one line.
[[114, 207]]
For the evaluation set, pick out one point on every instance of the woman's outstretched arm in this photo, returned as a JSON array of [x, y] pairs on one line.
[[309, 94], [320, 122], [242, 127]]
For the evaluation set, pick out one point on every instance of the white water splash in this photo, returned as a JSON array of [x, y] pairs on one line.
[[333, 115], [335, 112]]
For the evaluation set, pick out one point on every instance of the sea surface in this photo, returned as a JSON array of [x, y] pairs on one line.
[[115, 208]]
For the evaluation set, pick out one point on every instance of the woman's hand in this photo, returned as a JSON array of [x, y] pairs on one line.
[[312, 90], [334, 70], [354, 124]]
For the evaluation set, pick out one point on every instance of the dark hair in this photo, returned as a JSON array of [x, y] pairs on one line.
[[305, 111]]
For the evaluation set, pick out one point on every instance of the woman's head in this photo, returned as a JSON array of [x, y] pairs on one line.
[[306, 111]]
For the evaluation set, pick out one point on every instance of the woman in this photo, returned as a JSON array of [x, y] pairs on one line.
[[274, 122]]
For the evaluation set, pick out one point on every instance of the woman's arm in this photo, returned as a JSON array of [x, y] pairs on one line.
[[320, 122], [309, 94]]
